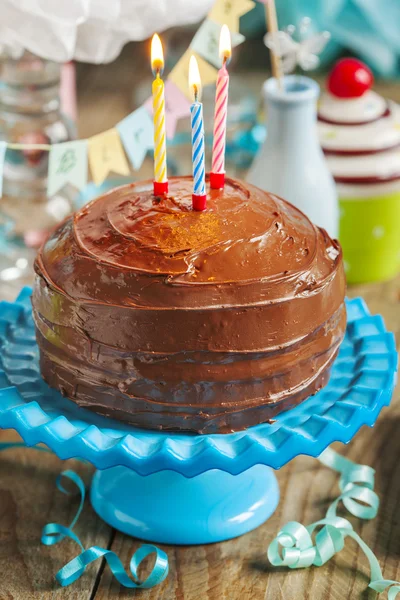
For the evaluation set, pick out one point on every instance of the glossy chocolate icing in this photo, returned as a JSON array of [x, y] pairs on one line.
[[167, 318]]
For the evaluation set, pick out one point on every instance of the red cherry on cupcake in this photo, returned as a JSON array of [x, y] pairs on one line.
[[350, 78]]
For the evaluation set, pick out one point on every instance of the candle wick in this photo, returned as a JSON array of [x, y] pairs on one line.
[[157, 71], [196, 92]]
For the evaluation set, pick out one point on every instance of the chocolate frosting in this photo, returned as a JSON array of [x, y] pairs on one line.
[[167, 318]]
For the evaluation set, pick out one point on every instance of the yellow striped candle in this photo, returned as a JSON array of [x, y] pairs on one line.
[[160, 152]]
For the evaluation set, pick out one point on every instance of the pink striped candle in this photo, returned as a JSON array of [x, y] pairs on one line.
[[217, 175]]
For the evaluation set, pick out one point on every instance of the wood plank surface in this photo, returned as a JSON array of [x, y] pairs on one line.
[[234, 570]]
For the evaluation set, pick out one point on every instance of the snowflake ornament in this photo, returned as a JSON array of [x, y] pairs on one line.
[[303, 52]]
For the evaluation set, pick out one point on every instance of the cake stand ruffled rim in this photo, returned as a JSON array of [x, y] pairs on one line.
[[362, 383]]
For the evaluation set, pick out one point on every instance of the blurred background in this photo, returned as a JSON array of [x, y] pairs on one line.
[[44, 101]]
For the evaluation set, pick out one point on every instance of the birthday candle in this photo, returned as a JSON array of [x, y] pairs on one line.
[[196, 111], [217, 176], [160, 153]]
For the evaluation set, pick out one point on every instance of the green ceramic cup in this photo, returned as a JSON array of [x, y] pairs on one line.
[[370, 237]]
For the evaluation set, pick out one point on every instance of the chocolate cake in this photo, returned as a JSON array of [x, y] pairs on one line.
[[167, 318]]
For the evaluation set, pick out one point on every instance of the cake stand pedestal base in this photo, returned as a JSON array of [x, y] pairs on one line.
[[167, 507]]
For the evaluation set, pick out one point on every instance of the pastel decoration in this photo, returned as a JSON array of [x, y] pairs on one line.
[[3, 149], [368, 29], [68, 99], [180, 73], [67, 165], [177, 106], [230, 11], [206, 41], [136, 132], [359, 132], [106, 154], [286, 52]]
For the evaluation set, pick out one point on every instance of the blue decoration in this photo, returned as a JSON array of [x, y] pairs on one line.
[[137, 135], [361, 383], [367, 28], [293, 547], [53, 533]]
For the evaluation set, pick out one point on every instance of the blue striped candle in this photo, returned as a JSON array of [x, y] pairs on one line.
[[196, 111], [199, 173]]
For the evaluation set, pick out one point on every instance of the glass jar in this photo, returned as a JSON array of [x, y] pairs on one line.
[[29, 114]]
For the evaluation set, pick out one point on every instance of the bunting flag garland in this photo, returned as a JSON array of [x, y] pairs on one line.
[[105, 155], [68, 161], [206, 41], [67, 164], [230, 11], [136, 132]]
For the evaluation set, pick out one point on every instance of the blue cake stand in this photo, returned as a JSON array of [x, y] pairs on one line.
[[192, 489]]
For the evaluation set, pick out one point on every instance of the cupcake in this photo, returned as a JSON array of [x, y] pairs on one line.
[[360, 134]]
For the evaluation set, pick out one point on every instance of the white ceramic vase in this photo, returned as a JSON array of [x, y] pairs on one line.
[[291, 163]]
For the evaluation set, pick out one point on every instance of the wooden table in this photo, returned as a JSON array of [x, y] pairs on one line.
[[234, 570]]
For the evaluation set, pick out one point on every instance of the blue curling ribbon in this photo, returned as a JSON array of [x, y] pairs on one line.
[[293, 547], [53, 533]]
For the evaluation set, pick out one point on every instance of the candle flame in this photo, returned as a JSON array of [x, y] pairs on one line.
[[225, 47], [194, 79], [157, 55]]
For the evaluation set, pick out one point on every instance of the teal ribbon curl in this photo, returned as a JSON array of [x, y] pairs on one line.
[[293, 547], [53, 533]]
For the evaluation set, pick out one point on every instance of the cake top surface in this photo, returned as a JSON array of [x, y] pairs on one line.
[[245, 236]]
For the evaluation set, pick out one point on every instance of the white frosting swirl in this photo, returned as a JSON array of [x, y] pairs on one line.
[[366, 153]]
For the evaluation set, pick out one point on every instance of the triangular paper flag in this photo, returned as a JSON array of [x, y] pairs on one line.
[[67, 164], [206, 41], [105, 155], [137, 135], [180, 73], [230, 11]]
